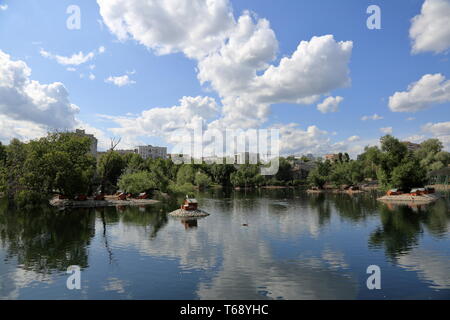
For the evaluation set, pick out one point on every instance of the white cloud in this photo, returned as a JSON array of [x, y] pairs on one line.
[[330, 104], [194, 27], [294, 140], [19, 129], [410, 119], [430, 89], [387, 130], [439, 130], [317, 67], [164, 122], [120, 81], [3, 7], [354, 138], [91, 76], [233, 56], [70, 69], [430, 30], [75, 59], [415, 138], [373, 117], [28, 101]]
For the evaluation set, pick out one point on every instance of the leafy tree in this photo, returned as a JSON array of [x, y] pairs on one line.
[[392, 155], [320, 174], [3, 170], [202, 180], [162, 171], [136, 182], [111, 166], [59, 162], [284, 170], [186, 174], [134, 162], [247, 175], [370, 160], [221, 173], [408, 174], [431, 155], [346, 173]]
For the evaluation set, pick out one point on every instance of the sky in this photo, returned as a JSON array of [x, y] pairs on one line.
[[145, 71]]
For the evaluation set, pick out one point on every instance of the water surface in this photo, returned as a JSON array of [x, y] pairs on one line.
[[278, 244]]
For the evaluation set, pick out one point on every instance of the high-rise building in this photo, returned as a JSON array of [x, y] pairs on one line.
[[94, 141], [152, 152]]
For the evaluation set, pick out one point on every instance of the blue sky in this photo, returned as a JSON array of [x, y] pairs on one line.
[[380, 63]]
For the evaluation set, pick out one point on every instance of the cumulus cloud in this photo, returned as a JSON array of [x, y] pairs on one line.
[[28, 101], [330, 104], [430, 29], [193, 27], [372, 117], [75, 59], [235, 56], [386, 130], [166, 122], [19, 129], [439, 130], [317, 67], [430, 89], [3, 7], [120, 81]]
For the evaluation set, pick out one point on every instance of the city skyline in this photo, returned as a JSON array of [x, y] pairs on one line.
[[314, 71]]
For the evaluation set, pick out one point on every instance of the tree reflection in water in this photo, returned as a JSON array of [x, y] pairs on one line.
[[46, 240], [402, 226]]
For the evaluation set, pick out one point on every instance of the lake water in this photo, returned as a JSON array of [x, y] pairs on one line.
[[278, 244]]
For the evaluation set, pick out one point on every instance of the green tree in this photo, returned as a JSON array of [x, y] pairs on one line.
[[431, 155], [409, 174], [221, 173], [284, 170], [318, 176], [136, 182], [186, 174], [246, 176], [110, 167], [134, 162], [59, 163], [392, 155], [202, 180]]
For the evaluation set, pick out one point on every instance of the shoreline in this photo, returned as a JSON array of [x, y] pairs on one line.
[[65, 204], [423, 199], [336, 191]]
